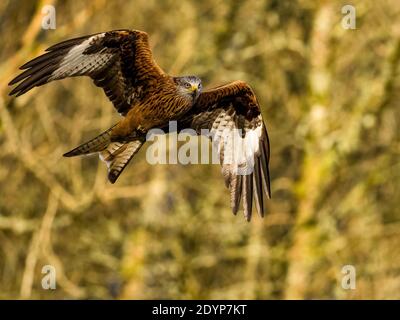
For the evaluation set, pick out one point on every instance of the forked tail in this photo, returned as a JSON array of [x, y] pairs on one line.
[[116, 155]]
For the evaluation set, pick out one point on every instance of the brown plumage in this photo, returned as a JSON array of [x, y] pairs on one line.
[[121, 63]]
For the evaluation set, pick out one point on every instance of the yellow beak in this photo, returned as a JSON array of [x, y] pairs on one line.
[[194, 88]]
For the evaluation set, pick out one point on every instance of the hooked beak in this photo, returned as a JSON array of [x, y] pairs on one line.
[[194, 90]]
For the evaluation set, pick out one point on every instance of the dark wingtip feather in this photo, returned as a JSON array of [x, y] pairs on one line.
[[264, 159], [247, 192], [38, 70], [236, 191], [269, 185], [258, 194], [15, 80], [266, 149], [267, 178], [12, 92], [33, 77]]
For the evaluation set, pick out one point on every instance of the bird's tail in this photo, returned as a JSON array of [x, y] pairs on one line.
[[97, 144], [116, 155]]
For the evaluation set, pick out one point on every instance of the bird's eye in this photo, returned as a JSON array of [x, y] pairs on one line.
[[199, 86], [187, 85]]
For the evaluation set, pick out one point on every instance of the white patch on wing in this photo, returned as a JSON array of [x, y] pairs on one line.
[[236, 151], [77, 63]]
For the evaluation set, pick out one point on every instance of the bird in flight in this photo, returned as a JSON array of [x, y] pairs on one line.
[[122, 64]]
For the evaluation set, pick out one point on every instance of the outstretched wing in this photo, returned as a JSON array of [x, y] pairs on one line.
[[119, 61], [232, 115]]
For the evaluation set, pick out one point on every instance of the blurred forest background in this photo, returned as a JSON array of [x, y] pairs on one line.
[[330, 98]]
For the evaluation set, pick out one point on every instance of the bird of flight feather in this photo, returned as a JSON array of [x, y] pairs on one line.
[[122, 64]]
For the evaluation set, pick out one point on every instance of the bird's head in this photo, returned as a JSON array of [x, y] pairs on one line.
[[189, 86]]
